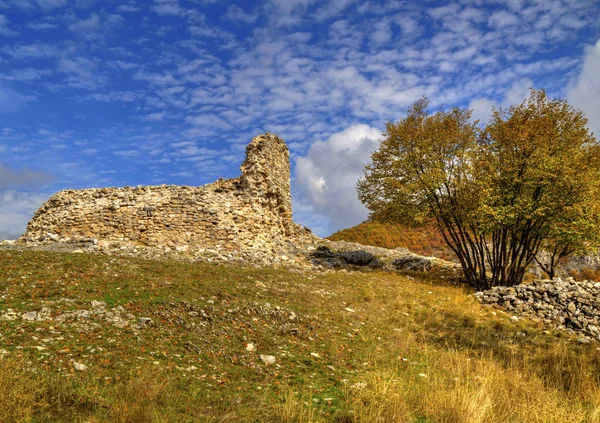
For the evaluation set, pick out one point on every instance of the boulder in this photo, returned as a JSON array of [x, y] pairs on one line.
[[358, 258], [412, 262]]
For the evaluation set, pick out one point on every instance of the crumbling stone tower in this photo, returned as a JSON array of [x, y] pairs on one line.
[[253, 211], [266, 175]]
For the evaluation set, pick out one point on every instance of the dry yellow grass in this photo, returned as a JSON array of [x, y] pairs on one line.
[[20, 396], [467, 370], [452, 388]]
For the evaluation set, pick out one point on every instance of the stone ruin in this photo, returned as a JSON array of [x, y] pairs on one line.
[[249, 213], [246, 219]]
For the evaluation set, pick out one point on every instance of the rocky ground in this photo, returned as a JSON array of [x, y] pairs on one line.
[[311, 253], [341, 254], [288, 255], [565, 305]]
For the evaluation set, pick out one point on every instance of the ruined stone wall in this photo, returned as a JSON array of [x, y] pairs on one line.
[[253, 211]]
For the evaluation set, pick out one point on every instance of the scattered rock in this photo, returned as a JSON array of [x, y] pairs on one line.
[[268, 359], [80, 367], [359, 385], [44, 314], [9, 315], [250, 347], [98, 304], [29, 315]]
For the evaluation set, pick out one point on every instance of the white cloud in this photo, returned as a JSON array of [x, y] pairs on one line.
[[81, 73], [167, 7], [31, 51], [518, 91], [305, 213], [515, 4], [127, 153], [128, 8], [444, 11], [503, 19], [156, 79], [4, 29], [16, 208], [236, 13], [333, 8], [10, 100], [288, 12], [42, 26], [382, 32], [155, 117], [407, 24], [113, 96], [328, 174], [585, 89], [482, 109], [207, 121], [47, 5], [85, 26]]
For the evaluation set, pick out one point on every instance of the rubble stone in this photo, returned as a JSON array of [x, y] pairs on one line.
[[560, 304]]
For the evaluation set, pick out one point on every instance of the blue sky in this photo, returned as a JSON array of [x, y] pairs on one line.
[[111, 93]]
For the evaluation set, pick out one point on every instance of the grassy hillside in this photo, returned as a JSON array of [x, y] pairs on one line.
[[426, 241], [348, 347]]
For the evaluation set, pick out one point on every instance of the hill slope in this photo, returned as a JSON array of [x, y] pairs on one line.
[[104, 339], [425, 241]]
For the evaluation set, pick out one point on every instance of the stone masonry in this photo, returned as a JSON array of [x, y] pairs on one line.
[[251, 212], [565, 305]]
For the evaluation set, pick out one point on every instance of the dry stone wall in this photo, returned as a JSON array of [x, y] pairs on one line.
[[566, 305], [251, 212]]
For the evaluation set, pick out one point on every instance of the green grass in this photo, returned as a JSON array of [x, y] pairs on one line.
[[411, 348]]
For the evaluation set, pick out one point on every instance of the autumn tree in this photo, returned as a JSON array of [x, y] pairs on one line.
[[576, 232], [529, 180]]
